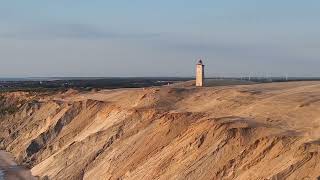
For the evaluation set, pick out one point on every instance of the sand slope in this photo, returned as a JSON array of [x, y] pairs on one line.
[[265, 131]]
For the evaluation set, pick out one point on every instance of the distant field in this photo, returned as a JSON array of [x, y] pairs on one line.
[[84, 83], [43, 84]]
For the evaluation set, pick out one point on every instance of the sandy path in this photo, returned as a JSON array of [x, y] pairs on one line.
[[9, 170]]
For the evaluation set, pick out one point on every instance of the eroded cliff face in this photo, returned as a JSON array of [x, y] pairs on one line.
[[240, 132]]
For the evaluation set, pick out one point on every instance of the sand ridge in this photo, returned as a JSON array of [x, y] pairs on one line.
[[261, 131]]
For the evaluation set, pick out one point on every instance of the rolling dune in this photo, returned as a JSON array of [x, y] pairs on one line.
[[262, 131]]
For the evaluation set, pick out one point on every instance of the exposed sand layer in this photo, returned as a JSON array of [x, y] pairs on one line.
[[262, 131]]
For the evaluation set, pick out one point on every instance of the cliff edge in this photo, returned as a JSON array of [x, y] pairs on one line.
[[262, 131]]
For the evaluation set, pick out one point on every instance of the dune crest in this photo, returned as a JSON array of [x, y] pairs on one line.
[[263, 131]]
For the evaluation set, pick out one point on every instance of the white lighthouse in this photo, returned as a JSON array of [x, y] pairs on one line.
[[200, 74]]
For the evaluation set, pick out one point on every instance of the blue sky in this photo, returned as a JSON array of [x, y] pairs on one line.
[[159, 38]]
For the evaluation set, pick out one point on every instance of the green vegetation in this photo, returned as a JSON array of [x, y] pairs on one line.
[[6, 108]]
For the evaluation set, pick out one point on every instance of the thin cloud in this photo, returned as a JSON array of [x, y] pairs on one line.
[[71, 31]]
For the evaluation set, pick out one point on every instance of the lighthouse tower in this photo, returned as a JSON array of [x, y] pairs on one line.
[[200, 74]]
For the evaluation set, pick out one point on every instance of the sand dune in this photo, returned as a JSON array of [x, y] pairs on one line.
[[262, 131]]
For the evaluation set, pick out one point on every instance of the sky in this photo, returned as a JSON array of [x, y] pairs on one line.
[[45, 38]]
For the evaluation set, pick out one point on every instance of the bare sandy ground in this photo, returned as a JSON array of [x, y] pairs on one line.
[[261, 131], [11, 171]]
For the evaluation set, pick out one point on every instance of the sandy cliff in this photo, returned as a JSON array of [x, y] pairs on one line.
[[266, 131]]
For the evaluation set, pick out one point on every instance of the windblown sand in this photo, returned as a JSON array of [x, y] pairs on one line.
[[265, 131]]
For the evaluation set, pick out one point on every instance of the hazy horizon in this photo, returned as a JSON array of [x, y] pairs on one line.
[[159, 39]]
